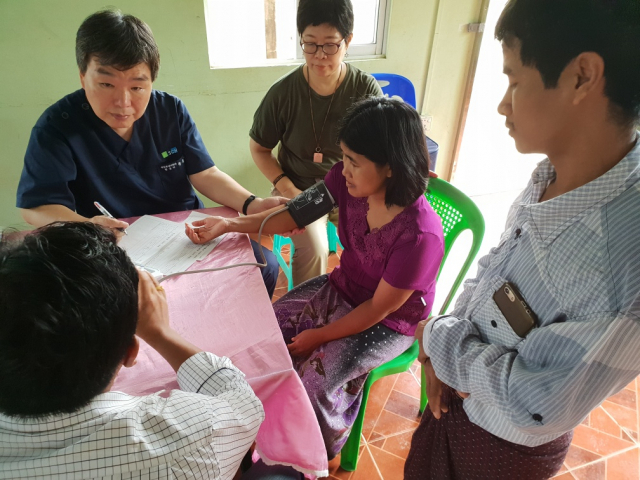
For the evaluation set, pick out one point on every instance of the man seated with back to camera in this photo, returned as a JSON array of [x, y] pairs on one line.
[[71, 304], [118, 141]]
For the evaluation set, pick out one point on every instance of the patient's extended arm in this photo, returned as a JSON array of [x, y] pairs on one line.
[[309, 206], [213, 227]]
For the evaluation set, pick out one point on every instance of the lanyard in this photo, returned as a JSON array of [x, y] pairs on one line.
[[317, 156]]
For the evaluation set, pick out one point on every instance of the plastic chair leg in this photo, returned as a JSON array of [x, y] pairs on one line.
[[334, 239], [278, 243], [351, 450], [423, 390], [332, 242], [399, 364]]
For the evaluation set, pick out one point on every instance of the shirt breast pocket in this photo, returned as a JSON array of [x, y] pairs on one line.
[[174, 178], [489, 320]]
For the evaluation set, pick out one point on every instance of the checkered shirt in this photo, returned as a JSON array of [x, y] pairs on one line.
[[201, 431], [576, 261]]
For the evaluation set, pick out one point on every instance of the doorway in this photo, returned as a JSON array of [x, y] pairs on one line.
[[489, 169]]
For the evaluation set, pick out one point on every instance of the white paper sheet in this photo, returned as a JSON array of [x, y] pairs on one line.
[[162, 244]]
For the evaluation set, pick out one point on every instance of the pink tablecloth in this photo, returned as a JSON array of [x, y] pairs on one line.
[[229, 313]]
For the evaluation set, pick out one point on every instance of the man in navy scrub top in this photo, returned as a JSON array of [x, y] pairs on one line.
[[117, 141]]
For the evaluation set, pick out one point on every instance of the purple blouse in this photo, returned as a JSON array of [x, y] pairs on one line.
[[406, 252]]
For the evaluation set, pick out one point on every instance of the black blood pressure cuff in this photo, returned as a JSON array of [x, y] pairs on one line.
[[311, 205]]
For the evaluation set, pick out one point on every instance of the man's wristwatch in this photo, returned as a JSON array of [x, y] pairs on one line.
[[246, 204]]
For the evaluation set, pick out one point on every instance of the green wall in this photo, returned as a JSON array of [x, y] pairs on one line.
[[38, 68]]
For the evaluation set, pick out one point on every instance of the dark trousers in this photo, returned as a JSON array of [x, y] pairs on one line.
[[271, 271], [454, 448]]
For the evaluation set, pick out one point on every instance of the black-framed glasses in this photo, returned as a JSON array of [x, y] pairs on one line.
[[327, 48]]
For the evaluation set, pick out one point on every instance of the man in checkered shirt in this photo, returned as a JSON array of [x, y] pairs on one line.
[[70, 304], [503, 400]]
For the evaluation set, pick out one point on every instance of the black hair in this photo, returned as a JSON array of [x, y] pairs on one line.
[[390, 132], [119, 41], [68, 314], [337, 13], [552, 33]]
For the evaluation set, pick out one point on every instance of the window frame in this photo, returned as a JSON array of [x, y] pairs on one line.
[[356, 52], [368, 50]]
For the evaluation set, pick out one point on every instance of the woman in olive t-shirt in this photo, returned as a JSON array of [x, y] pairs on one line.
[[301, 112]]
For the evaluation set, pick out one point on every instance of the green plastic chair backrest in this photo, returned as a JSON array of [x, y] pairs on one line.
[[458, 213]]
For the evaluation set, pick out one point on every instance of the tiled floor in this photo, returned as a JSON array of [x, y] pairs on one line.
[[605, 446]]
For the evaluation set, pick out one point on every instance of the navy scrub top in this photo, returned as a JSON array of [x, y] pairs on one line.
[[74, 158]]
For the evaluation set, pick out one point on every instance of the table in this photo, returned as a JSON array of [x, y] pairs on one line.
[[229, 313]]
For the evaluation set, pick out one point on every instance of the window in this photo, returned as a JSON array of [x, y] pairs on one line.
[[249, 33]]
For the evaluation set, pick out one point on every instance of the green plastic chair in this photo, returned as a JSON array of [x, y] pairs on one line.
[[334, 239], [279, 242], [458, 213]]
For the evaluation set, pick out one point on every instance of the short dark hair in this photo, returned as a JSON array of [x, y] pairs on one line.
[[337, 13], [68, 314], [389, 132], [554, 32], [119, 41]]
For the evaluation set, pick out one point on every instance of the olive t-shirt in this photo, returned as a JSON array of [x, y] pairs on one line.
[[284, 116]]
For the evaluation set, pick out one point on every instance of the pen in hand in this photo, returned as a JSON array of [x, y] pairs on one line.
[[106, 213]]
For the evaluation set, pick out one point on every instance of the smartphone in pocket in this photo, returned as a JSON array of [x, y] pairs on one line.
[[515, 310]]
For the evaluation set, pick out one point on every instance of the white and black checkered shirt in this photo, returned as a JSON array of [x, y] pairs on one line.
[[201, 431], [576, 261]]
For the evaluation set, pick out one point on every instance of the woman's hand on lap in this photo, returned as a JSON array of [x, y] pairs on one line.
[[305, 342], [207, 229]]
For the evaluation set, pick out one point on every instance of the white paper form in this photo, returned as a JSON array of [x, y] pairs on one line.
[[162, 245]]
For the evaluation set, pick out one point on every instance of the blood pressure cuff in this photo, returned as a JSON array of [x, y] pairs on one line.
[[311, 205]]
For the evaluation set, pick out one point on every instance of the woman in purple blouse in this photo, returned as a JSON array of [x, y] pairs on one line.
[[340, 326]]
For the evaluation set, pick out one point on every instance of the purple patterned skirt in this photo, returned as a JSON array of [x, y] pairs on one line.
[[335, 372], [454, 448]]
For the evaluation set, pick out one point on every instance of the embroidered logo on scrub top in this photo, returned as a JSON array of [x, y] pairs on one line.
[[172, 166], [169, 152]]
